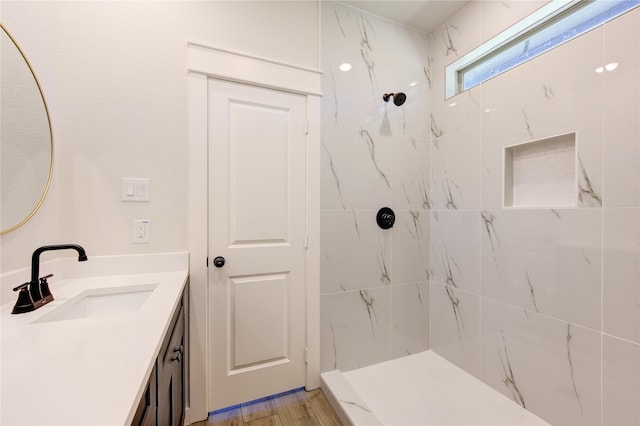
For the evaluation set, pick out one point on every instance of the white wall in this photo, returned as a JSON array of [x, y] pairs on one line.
[[114, 75]]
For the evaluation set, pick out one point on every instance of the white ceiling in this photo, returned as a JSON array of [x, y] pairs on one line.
[[424, 15]]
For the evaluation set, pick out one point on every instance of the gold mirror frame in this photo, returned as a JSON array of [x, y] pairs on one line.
[[46, 109]]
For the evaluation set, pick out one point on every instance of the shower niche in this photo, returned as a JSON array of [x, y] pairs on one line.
[[541, 173]]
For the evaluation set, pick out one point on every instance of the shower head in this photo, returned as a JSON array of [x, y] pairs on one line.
[[398, 98]]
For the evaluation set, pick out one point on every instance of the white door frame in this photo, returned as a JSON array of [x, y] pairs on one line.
[[211, 62]]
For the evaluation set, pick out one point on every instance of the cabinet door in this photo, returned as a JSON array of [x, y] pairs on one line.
[[178, 385], [171, 376], [146, 411], [165, 399]]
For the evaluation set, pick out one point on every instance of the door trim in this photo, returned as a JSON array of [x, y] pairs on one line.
[[206, 62], [255, 70]]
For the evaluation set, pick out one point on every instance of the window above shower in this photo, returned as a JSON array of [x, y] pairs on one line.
[[552, 25]]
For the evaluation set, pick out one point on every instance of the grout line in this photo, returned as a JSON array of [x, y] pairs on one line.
[[410, 283], [528, 311], [480, 336], [602, 204], [431, 210]]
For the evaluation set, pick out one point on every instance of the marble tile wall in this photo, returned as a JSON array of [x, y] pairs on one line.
[[374, 282], [543, 304]]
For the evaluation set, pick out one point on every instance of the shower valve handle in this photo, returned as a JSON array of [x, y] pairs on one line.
[[385, 218]]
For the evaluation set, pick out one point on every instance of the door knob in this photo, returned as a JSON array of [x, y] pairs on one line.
[[219, 262]]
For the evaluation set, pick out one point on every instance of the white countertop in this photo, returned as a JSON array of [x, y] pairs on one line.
[[89, 371]]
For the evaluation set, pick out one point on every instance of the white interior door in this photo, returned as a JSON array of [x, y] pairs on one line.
[[257, 223]]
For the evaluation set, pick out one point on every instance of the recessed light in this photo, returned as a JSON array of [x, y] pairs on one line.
[[599, 70], [611, 66], [345, 66]]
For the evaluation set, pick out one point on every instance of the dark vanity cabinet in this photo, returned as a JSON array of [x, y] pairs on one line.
[[146, 411], [171, 374], [163, 401]]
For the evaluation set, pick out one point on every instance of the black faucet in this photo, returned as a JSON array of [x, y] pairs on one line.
[[36, 293]]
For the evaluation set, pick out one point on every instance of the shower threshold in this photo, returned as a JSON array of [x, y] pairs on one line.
[[422, 389]]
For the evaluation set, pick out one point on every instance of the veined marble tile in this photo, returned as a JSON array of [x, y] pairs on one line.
[[409, 319], [354, 330], [372, 74], [339, 22], [340, 392], [412, 81], [549, 88], [356, 171], [621, 112], [330, 188], [460, 115], [508, 119], [455, 133], [410, 186], [562, 94], [455, 249], [498, 15], [621, 382], [546, 261], [355, 252], [455, 38], [356, 159], [455, 326], [410, 172], [621, 273], [349, 96], [548, 366], [459, 35], [359, 130], [410, 247], [374, 154], [412, 46], [352, 98], [357, 28], [456, 172]]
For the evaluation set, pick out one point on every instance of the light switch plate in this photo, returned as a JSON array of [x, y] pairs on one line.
[[135, 189]]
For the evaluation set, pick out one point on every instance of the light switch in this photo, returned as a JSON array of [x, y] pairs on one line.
[[135, 189]]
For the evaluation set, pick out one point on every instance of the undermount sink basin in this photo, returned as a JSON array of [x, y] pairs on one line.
[[101, 302]]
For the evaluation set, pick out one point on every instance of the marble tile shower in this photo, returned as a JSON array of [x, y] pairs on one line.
[[374, 282], [542, 302]]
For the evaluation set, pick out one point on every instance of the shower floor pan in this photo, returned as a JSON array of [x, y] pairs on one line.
[[422, 389]]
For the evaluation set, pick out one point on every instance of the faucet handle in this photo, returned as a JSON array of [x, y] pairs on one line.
[[24, 302], [21, 286], [44, 288], [44, 279]]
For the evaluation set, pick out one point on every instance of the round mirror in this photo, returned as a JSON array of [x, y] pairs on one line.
[[26, 141]]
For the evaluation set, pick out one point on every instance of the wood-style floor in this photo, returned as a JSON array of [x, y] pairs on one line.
[[298, 408]]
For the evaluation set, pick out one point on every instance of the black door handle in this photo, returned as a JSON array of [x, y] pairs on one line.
[[219, 261]]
